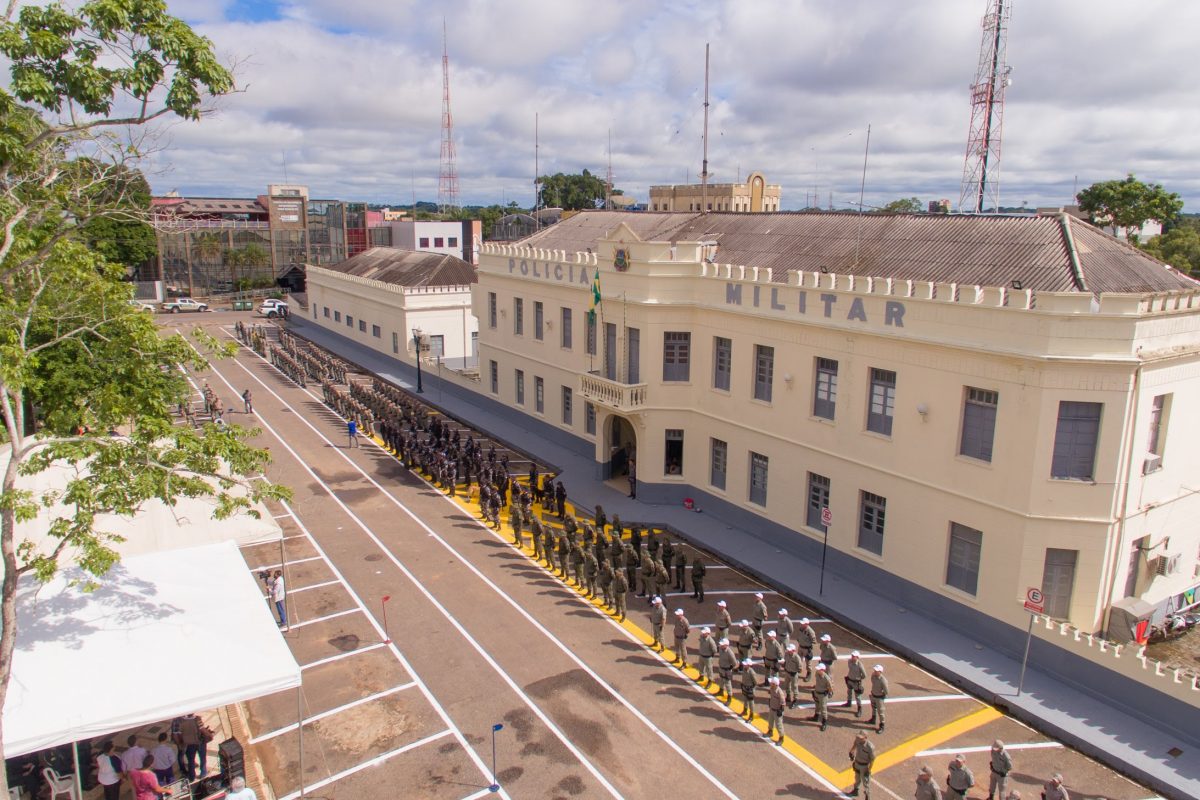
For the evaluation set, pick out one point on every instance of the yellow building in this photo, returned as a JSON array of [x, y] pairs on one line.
[[965, 406], [753, 196]]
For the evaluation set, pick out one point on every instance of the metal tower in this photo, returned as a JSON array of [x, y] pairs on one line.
[[448, 178], [981, 168]]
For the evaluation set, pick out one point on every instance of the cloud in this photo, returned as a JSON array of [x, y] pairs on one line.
[[349, 94]]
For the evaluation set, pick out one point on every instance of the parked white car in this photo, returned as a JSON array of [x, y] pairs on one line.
[[274, 308], [183, 304]]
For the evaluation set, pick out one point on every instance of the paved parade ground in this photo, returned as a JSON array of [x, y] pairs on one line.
[[420, 631]]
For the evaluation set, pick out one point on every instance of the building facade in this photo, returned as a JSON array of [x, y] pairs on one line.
[[386, 298], [754, 196], [962, 407]]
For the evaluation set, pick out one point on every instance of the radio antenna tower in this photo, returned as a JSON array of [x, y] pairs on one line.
[[448, 178], [704, 163], [981, 168], [608, 178]]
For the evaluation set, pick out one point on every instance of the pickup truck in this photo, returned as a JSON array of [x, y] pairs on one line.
[[183, 304], [274, 308]]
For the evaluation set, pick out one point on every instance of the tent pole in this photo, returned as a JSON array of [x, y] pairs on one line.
[[300, 733], [78, 776]]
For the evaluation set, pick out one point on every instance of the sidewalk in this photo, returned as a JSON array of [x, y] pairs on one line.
[[1078, 719]]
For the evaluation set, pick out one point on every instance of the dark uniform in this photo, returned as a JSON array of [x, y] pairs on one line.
[[698, 572]]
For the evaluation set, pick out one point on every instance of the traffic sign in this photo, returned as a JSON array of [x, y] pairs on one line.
[[826, 516], [1034, 600]]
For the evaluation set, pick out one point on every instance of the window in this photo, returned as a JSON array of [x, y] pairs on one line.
[[349, 321], [718, 463], [438, 241], [376, 332], [491, 309], [962, 560], [539, 319], [818, 499], [326, 311], [437, 346], [590, 345], [565, 333], [882, 401], [395, 342], [452, 241], [825, 388], [424, 241], [539, 395], [589, 418], [677, 347], [633, 355], [722, 362], [872, 509], [519, 380], [673, 452], [1058, 581], [1159, 410], [362, 325], [1075, 441], [337, 316], [567, 412], [758, 479], [495, 371], [978, 423], [764, 372], [518, 316], [314, 308]]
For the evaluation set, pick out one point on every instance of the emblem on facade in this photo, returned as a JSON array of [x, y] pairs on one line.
[[621, 259]]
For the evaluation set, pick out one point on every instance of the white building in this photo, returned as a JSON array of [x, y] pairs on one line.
[[381, 296], [428, 236], [982, 404]]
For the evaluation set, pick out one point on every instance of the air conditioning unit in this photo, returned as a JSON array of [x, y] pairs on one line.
[[1166, 564], [1153, 463]]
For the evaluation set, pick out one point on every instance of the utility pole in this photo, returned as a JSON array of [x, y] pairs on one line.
[[704, 168]]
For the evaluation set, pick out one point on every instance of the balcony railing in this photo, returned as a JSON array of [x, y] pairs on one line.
[[611, 394]]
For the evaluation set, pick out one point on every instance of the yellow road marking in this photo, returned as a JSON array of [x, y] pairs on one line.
[[925, 741]]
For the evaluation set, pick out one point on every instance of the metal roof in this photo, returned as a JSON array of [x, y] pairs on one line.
[[965, 249], [408, 267]]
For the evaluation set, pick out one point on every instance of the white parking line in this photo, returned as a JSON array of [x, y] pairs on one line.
[[516, 606], [379, 759], [290, 563], [922, 698], [340, 656], [314, 586], [721, 592], [324, 618], [344, 707], [949, 751], [481, 793]]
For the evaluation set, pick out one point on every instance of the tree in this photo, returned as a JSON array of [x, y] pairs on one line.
[[1128, 204], [76, 359], [1178, 246], [572, 192], [905, 205], [124, 237]]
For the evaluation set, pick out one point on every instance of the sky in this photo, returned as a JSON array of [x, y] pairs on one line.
[[345, 96]]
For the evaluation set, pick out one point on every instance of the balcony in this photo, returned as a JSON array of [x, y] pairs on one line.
[[624, 397]]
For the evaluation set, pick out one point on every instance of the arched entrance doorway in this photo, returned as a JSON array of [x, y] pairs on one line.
[[622, 446]]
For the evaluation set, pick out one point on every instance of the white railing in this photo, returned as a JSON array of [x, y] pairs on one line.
[[614, 395]]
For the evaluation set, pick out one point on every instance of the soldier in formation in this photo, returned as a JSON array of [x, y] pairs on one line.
[[749, 684], [821, 692], [776, 702], [727, 663], [658, 620], [927, 787], [760, 618], [879, 693], [682, 629], [959, 778], [855, 675], [862, 758], [1000, 765], [723, 620], [707, 651]]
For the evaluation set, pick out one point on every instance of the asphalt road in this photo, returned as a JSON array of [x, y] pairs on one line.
[[477, 634]]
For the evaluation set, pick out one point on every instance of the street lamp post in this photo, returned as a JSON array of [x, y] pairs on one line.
[[417, 347]]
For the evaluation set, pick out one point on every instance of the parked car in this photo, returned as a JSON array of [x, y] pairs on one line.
[[272, 308], [142, 305], [183, 304]]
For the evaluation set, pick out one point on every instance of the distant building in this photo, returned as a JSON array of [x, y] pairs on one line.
[[459, 238], [754, 196], [381, 296]]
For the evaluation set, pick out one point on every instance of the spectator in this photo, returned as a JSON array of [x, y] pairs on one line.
[[239, 791], [132, 757], [192, 742], [108, 771], [352, 432], [164, 760], [145, 785], [279, 595], [248, 400]]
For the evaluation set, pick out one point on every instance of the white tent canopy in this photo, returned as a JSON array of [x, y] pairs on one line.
[[166, 633]]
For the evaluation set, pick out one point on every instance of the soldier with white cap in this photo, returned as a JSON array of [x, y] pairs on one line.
[[658, 620], [927, 788], [785, 628], [822, 690], [708, 651], [959, 778], [806, 639], [726, 664], [1001, 764], [745, 640], [855, 675], [749, 682], [862, 758], [773, 657], [791, 668], [1054, 789], [723, 620], [760, 618], [776, 701], [879, 693], [828, 653], [682, 629]]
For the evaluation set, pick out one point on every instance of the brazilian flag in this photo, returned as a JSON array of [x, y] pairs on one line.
[[595, 299]]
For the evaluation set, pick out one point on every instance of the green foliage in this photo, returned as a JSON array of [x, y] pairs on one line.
[[905, 205], [125, 238], [1128, 203], [572, 192], [1178, 246]]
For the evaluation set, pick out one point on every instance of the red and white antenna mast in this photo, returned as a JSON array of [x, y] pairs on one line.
[[448, 178], [981, 168]]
